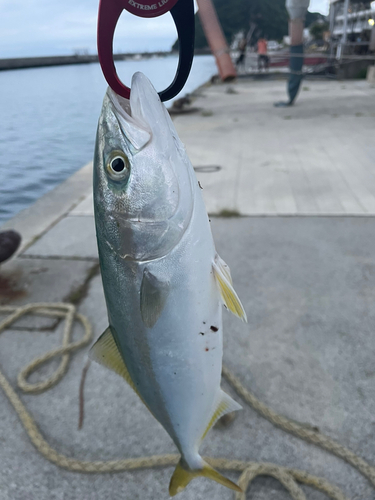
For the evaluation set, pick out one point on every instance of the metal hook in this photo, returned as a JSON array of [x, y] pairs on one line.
[[182, 12]]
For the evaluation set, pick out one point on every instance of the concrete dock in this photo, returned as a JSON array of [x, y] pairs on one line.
[[292, 197]]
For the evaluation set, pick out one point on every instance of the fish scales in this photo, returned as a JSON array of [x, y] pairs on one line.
[[163, 281]]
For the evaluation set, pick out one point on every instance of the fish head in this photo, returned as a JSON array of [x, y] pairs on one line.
[[143, 184]]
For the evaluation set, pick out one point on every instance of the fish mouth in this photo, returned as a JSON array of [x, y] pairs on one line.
[[121, 104], [136, 130], [142, 94], [142, 115]]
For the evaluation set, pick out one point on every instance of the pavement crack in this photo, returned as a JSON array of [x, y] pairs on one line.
[[76, 295]]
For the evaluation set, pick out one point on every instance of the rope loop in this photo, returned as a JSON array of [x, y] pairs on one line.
[[58, 310], [250, 470], [282, 475]]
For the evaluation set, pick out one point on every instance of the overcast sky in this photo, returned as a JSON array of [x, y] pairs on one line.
[[52, 27]]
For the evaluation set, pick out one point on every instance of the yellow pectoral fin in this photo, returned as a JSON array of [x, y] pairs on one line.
[[106, 353], [227, 292], [182, 477], [224, 268]]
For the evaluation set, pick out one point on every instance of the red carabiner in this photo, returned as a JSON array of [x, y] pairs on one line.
[[183, 15]]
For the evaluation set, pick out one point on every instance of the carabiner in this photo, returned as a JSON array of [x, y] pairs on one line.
[[182, 12]]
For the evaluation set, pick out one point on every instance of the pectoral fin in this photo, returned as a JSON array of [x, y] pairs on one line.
[[106, 353], [154, 293], [225, 404], [228, 294], [224, 268]]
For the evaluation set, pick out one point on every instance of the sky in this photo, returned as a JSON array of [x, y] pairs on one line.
[[52, 27]]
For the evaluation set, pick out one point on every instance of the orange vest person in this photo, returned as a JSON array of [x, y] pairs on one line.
[[263, 59]]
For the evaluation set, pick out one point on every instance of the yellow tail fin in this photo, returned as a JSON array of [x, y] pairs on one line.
[[182, 477]]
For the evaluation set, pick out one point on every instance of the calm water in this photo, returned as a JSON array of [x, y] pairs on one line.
[[49, 117]]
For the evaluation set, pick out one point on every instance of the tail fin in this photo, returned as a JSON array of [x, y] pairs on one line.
[[182, 477]]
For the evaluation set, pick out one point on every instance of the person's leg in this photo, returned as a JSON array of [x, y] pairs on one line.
[[240, 59]]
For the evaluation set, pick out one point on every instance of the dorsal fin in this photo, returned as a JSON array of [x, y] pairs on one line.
[[106, 353], [227, 292], [225, 404]]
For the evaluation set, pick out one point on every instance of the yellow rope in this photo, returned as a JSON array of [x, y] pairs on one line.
[[287, 477]]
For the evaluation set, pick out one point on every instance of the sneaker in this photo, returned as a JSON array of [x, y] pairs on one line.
[[9, 243]]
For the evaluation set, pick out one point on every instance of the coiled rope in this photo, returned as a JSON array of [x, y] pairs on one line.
[[287, 477]]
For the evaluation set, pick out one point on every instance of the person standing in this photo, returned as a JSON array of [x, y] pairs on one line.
[[297, 12], [242, 48], [263, 59]]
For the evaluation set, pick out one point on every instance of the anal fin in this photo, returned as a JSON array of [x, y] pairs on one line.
[[227, 292], [106, 353]]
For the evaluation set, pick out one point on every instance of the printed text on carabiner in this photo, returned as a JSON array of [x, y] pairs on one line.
[[147, 7]]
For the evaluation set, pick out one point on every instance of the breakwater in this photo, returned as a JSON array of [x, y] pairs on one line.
[[36, 62]]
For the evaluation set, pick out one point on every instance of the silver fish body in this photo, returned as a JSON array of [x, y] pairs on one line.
[[164, 284]]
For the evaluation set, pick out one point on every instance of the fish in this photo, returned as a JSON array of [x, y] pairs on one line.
[[163, 281]]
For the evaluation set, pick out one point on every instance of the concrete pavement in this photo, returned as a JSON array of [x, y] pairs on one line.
[[314, 158], [307, 285]]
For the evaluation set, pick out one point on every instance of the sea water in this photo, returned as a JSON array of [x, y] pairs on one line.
[[48, 119]]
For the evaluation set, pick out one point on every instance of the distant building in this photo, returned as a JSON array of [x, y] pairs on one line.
[[352, 26]]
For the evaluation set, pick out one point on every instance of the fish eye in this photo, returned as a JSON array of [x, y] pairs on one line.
[[118, 167], [117, 164]]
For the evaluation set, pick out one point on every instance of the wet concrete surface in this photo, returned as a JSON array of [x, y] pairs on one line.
[[307, 285]]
